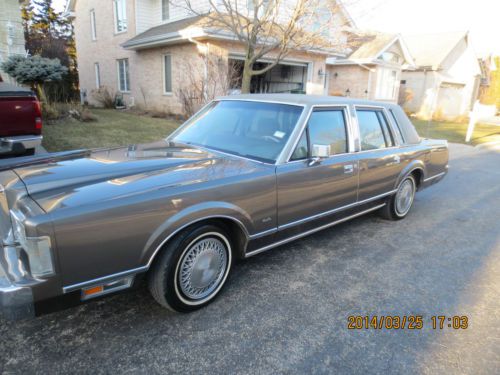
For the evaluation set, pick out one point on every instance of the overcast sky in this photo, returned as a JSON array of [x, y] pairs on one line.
[[480, 17]]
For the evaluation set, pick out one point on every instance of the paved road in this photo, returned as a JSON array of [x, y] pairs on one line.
[[286, 311]]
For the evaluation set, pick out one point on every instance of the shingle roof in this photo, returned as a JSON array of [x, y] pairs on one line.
[[430, 50], [368, 46], [162, 30]]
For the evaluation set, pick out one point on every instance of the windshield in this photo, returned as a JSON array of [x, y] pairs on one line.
[[256, 130]]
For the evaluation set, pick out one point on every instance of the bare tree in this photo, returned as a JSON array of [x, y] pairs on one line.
[[270, 28], [199, 86]]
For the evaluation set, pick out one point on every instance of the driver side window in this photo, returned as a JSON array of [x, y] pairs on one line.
[[326, 128]]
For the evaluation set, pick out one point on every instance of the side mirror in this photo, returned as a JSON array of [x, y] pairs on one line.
[[320, 151]]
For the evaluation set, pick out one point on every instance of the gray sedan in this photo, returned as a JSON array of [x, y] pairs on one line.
[[244, 175]]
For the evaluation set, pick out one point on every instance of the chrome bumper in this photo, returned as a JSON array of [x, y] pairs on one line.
[[16, 300], [19, 143]]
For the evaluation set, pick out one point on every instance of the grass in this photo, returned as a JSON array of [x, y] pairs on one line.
[[455, 132], [119, 128], [113, 128]]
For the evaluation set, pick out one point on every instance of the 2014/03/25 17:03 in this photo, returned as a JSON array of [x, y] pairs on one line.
[[411, 322]]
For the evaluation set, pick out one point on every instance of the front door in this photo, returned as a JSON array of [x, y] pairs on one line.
[[322, 174], [379, 160]]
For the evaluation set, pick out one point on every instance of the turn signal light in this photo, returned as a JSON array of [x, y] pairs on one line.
[[91, 291]]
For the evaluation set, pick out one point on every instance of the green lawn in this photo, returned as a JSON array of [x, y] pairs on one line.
[[118, 128], [114, 128], [455, 132]]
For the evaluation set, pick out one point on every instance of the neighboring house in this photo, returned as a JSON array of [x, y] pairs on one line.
[[148, 50], [11, 33], [372, 69], [446, 81]]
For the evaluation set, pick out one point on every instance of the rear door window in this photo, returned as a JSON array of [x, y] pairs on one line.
[[374, 130]]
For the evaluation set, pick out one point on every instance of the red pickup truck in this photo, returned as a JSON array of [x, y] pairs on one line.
[[20, 121]]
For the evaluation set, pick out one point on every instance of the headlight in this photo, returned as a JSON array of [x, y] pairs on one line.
[[38, 249]]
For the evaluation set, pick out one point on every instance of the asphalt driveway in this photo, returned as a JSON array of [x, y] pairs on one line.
[[285, 311]]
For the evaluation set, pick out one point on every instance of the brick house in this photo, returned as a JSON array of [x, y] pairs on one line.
[[447, 77], [11, 33], [147, 49], [372, 69]]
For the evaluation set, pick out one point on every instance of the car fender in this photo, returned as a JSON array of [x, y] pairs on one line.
[[192, 215], [413, 165]]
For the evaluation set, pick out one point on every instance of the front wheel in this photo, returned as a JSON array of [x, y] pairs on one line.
[[191, 269], [399, 204]]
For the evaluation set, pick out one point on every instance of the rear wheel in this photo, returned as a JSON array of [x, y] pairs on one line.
[[399, 204], [192, 269]]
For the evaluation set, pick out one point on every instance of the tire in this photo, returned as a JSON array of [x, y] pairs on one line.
[[191, 269], [398, 205]]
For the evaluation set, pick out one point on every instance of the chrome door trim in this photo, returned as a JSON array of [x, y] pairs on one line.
[[297, 236], [262, 234], [326, 213], [435, 176]]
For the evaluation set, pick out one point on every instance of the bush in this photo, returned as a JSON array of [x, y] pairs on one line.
[[50, 111], [104, 97], [87, 116]]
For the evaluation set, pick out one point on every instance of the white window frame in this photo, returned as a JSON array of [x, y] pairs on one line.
[[165, 92], [382, 89], [126, 88], [97, 71], [163, 18], [93, 27], [117, 15]]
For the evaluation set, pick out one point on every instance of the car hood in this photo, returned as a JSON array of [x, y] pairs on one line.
[[106, 174]]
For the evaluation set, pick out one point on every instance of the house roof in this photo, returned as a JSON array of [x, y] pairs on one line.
[[366, 47], [430, 50], [167, 31], [206, 27]]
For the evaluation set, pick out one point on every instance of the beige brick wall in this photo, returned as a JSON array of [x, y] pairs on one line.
[[106, 49], [13, 44], [352, 77], [146, 66]]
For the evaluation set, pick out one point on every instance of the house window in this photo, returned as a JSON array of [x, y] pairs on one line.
[[120, 10], [167, 73], [165, 10], [387, 84], [123, 75], [92, 25], [97, 70]]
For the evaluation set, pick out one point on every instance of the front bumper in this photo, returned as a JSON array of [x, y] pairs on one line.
[[15, 302], [16, 299], [20, 143]]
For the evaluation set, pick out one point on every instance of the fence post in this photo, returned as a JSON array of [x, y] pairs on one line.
[[472, 122]]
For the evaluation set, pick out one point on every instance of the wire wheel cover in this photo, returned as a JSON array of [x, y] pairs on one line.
[[202, 268], [404, 197]]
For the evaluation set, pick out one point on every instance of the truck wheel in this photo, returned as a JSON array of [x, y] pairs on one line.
[[192, 269], [399, 204]]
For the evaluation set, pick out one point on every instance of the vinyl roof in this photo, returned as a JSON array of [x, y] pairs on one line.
[[303, 99]]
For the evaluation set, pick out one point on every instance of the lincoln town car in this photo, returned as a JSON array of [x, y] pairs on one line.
[[246, 174]]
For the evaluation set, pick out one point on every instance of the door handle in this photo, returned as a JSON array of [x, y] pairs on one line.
[[348, 168], [314, 161]]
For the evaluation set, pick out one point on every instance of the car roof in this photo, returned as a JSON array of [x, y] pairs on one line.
[[302, 99]]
